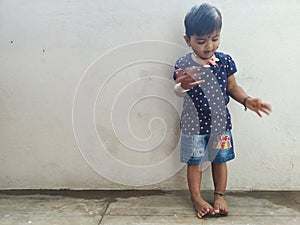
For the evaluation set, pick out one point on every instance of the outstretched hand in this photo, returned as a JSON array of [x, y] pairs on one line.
[[256, 105], [186, 80]]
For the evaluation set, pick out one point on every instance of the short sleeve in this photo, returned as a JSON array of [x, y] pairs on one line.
[[230, 66]]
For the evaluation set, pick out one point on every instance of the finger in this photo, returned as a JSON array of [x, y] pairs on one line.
[[184, 79], [258, 113], [193, 84], [265, 111], [258, 105], [189, 79], [197, 83], [178, 79], [267, 107], [256, 110]]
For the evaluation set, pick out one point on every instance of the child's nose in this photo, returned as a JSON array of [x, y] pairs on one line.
[[209, 46]]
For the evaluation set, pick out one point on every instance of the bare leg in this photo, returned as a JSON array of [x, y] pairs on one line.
[[219, 171], [194, 174]]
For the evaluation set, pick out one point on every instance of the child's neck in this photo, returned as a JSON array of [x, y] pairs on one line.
[[201, 61]]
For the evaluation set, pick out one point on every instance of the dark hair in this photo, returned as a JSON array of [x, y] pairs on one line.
[[202, 20]]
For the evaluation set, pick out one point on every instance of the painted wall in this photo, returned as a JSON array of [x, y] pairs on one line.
[[87, 103]]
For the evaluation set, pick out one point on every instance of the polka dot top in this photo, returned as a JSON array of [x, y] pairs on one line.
[[205, 106]]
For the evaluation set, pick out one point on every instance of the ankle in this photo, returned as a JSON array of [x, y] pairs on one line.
[[195, 196], [219, 193]]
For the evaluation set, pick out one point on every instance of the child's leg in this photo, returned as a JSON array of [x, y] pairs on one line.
[[219, 171], [194, 174]]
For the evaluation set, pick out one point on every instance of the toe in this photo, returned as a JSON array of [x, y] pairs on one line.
[[217, 208], [199, 215], [224, 211], [211, 211], [204, 212]]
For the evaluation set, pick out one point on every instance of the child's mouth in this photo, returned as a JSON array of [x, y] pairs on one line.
[[208, 52]]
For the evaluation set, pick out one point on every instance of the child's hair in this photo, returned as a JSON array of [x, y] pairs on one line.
[[202, 20]]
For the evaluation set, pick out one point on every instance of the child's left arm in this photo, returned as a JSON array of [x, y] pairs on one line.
[[254, 104]]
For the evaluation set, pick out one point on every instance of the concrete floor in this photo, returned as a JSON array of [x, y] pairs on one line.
[[142, 207]]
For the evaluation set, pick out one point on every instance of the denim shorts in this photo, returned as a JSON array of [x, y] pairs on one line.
[[196, 149]]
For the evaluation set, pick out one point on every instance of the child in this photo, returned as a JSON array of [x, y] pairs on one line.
[[205, 78]]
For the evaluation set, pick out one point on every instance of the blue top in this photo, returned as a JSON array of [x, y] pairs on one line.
[[205, 106]]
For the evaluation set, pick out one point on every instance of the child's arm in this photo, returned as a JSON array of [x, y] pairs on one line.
[[184, 82], [237, 93]]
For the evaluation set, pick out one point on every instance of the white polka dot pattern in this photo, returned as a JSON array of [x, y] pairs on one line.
[[205, 107]]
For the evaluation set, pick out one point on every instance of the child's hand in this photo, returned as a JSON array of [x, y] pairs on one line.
[[186, 80], [256, 105]]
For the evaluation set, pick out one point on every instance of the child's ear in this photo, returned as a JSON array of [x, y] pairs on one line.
[[187, 40]]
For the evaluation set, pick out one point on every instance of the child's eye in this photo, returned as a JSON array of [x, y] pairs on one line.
[[215, 39], [200, 42]]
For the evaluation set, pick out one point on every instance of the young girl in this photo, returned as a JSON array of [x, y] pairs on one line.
[[205, 78]]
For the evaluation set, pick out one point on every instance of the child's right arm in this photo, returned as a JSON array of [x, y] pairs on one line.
[[184, 82]]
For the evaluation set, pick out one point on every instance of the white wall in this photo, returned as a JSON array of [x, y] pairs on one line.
[[46, 53]]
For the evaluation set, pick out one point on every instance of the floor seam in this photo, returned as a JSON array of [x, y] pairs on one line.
[[105, 211]]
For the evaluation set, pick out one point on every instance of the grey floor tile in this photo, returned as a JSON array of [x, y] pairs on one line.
[[40, 210], [145, 208], [27, 219], [181, 205], [189, 220]]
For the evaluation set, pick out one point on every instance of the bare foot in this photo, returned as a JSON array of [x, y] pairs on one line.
[[202, 207], [220, 205]]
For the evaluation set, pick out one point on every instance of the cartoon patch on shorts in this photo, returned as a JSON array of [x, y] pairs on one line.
[[222, 142]]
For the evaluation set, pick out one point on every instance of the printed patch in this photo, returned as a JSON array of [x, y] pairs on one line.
[[199, 147], [222, 142]]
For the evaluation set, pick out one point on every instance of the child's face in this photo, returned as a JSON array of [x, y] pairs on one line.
[[204, 46]]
